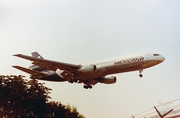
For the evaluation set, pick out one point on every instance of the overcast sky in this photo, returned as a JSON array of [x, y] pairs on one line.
[[79, 31]]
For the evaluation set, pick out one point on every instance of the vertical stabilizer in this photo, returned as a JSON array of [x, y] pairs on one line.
[[36, 55], [36, 67]]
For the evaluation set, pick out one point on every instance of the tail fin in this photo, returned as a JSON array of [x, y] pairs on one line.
[[35, 67], [36, 55]]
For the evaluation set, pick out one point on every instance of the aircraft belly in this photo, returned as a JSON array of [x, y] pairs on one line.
[[87, 76]]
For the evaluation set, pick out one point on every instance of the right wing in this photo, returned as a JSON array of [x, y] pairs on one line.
[[51, 65], [32, 72]]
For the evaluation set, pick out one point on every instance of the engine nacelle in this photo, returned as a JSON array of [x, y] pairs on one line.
[[88, 68], [108, 80], [35, 67], [64, 74]]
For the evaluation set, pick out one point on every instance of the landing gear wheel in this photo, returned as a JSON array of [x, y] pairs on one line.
[[140, 75], [90, 86], [71, 81], [76, 81], [87, 86]]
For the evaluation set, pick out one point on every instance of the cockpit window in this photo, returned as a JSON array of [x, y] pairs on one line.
[[156, 54]]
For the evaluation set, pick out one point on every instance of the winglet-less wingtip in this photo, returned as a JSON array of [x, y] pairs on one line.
[[16, 55], [15, 66]]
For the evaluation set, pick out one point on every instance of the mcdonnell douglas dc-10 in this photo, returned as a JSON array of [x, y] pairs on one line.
[[88, 73]]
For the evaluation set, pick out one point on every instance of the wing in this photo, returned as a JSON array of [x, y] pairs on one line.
[[49, 64], [32, 72]]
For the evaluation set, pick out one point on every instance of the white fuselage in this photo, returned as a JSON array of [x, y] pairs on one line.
[[121, 64]]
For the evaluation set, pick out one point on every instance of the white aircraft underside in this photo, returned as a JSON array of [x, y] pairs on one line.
[[88, 73]]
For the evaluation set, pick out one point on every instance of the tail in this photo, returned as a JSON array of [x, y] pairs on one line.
[[36, 67], [36, 55]]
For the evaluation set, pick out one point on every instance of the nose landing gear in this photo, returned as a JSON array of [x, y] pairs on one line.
[[140, 73]]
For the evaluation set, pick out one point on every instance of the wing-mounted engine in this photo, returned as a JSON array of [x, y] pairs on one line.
[[88, 69], [65, 74], [37, 68], [108, 80]]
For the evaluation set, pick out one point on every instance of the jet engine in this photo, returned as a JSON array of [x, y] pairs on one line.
[[35, 67], [88, 68], [108, 80], [64, 74]]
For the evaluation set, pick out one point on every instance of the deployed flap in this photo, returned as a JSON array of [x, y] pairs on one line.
[[32, 72], [49, 64]]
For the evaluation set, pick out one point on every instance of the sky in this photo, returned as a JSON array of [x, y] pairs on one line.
[[78, 31]]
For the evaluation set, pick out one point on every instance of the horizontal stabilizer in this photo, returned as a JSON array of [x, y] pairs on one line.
[[32, 72]]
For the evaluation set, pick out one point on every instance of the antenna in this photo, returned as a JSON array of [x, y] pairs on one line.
[[162, 116]]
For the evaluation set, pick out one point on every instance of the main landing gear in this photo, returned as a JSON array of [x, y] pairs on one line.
[[87, 86], [140, 73]]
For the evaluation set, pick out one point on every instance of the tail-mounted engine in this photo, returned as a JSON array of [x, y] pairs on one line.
[[88, 68], [108, 80], [65, 74]]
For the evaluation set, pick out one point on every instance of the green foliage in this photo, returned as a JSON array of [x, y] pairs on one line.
[[21, 98], [74, 110]]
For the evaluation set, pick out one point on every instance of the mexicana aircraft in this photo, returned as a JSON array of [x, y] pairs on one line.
[[88, 73]]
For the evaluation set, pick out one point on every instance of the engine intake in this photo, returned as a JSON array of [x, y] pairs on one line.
[[108, 80], [88, 68]]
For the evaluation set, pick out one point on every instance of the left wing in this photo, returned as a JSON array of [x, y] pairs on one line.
[[49, 64]]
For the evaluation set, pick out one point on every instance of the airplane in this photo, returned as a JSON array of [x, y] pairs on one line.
[[88, 73]]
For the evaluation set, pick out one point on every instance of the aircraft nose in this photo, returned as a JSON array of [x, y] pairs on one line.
[[161, 58]]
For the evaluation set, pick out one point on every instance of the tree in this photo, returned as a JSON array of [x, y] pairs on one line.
[[22, 98]]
